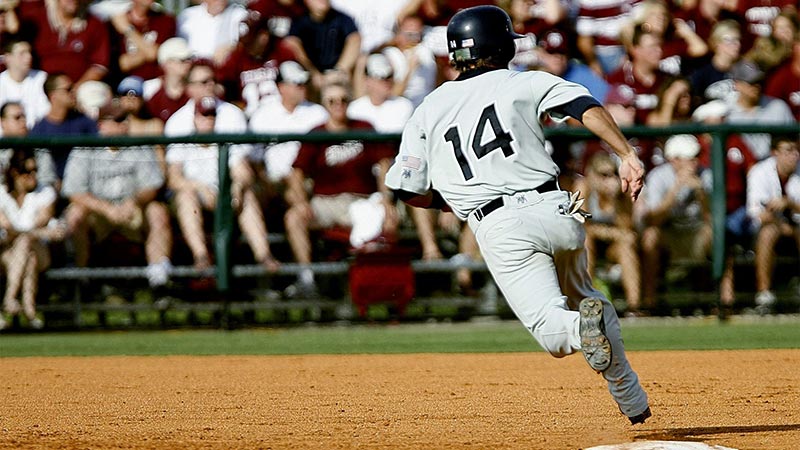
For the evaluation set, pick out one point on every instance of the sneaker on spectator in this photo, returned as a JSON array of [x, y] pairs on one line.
[[765, 300], [158, 273], [301, 290], [36, 323], [3, 323]]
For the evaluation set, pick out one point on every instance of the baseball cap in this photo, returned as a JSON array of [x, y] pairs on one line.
[[711, 109], [620, 94], [112, 110], [292, 72], [681, 146], [747, 71], [206, 106], [378, 66], [131, 85], [554, 41], [91, 96], [174, 48]]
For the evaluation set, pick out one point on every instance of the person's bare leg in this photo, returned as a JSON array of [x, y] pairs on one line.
[[651, 247], [254, 228], [78, 227], [628, 257], [727, 292], [190, 220], [425, 223], [29, 283], [297, 234], [14, 260], [159, 237], [467, 245], [765, 255]]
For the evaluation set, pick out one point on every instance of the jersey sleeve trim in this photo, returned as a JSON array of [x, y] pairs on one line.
[[576, 107]]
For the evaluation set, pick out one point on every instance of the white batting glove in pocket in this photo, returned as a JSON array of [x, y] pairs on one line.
[[572, 208]]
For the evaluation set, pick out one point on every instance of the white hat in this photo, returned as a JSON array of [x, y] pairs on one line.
[[378, 66], [91, 95], [292, 72], [712, 109], [174, 48], [681, 146]]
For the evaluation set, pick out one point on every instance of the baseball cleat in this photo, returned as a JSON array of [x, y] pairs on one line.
[[641, 417], [594, 344]]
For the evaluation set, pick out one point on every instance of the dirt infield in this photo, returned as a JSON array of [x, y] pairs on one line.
[[742, 399]]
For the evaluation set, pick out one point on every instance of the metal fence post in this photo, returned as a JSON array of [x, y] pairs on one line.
[[719, 211], [223, 222]]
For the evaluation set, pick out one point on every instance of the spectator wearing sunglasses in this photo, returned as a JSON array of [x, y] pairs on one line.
[[26, 210], [345, 176], [610, 235], [13, 124], [193, 171]]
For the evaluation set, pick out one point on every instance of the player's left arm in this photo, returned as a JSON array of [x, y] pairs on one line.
[[631, 170], [430, 200]]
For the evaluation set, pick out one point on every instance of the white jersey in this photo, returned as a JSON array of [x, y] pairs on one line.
[[483, 138]]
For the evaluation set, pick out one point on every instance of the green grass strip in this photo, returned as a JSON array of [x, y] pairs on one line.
[[506, 336]]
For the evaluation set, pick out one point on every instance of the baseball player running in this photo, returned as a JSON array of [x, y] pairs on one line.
[[476, 146]]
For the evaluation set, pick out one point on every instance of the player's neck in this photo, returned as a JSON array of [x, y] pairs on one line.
[[474, 72]]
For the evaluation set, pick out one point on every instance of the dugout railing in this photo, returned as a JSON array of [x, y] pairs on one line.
[[226, 273]]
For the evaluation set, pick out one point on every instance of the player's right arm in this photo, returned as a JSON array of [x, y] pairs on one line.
[[631, 170]]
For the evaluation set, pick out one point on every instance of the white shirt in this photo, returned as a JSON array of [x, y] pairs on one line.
[[273, 118], [423, 80], [771, 111], [375, 19], [763, 185], [440, 149], [206, 33], [197, 159], [23, 218], [388, 117], [29, 93]]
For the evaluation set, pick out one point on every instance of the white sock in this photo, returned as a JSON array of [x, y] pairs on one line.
[[306, 276]]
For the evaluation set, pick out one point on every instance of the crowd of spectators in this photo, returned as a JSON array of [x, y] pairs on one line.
[[297, 66]]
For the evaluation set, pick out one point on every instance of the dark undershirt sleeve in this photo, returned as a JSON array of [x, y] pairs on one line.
[[577, 107]]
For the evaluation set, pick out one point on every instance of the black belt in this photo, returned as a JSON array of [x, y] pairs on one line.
[[490, 207]]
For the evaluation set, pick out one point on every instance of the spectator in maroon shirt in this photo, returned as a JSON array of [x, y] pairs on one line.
[[784, 83], [680, 43], [536, 16], [439, 12], [136, 36], [641, 73], [702, 15], [248, 75], [758, 16], [343, 176], [278, 13], [66, 38], [166, 94]]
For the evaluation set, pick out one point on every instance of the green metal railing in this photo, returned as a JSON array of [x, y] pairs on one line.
[[224, 220]]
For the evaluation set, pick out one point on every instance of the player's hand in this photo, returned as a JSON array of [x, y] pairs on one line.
[[631, 175]]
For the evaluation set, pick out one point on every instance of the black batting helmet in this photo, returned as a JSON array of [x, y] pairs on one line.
[[481, 32]]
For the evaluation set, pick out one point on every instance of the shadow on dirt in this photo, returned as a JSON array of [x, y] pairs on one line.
[[696, 432]]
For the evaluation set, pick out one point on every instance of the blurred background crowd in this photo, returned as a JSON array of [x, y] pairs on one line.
[[136, 68]]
